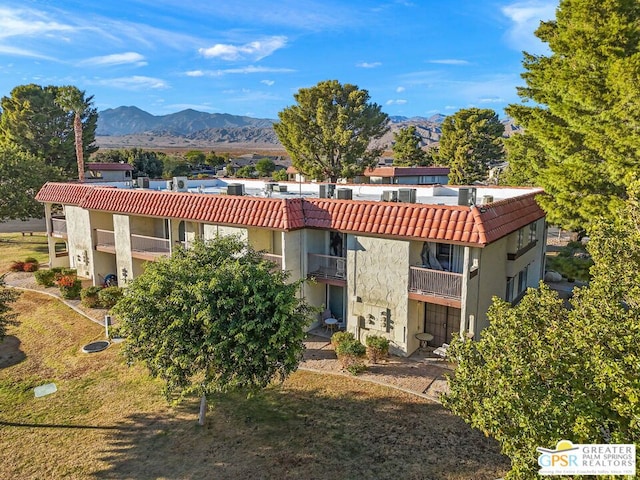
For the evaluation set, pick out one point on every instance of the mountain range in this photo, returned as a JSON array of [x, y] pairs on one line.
[[133, 127]]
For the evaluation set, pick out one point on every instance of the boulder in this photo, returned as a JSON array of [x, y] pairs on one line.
[[551, 276]]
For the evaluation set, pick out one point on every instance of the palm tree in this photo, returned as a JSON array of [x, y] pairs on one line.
[[72, 100]]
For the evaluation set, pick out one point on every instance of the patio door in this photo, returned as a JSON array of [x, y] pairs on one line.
[[442, 322], [335, 301]]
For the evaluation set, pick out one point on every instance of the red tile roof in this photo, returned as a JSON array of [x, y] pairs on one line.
[[456, 224], [109, 167], [64, 193]]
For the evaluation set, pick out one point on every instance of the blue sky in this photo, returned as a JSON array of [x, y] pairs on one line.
[[248, 57]]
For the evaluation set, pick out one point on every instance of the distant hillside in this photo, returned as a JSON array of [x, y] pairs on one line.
[[131, 126]]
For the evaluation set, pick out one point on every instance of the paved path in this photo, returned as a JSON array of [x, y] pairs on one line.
[[421, 374]]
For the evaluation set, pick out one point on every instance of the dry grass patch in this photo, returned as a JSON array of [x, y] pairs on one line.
[[14, 246], [109, 421]]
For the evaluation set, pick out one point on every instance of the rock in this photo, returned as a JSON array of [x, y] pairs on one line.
[[551, 276]]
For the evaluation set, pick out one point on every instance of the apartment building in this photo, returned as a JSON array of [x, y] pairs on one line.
[[385, 260]]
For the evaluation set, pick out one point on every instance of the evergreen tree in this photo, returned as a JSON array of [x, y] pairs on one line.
[[406, 148], [329, 132], [471, 140], [584, 110]]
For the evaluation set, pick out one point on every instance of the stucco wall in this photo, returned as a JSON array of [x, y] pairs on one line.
[[378, 282], [80, 240], [121, 230], [292, 253], [211, 231]]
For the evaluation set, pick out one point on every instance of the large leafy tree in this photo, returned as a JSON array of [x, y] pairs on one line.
[[73, 101], [471, 141], [542, 373], [406, 148], [214, 318], [145, 162], [32, 120], [329, 132], [21, 177], [584, 108]]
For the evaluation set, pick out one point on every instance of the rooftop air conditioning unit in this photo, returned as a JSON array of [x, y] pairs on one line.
[[466, 196], [322, 191], [269, 186], [279, 188], [169, 184], [331, 190], [235, 189], [407, 195], [142, 182], [389, 196], [345, 193], [179, 184], [487, 199]]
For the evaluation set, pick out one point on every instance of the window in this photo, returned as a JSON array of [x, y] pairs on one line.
[[527, 237], [532, 232], [517, 285]]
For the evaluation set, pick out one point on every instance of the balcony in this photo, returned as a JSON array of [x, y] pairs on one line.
[[272, 257], [149, 248], [435, 283], [327, 267], [59, 227], [105, 241]]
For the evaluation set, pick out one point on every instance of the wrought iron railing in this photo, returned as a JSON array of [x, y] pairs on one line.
[[327, 266], [151, 245], [59, 227], [435, 282]]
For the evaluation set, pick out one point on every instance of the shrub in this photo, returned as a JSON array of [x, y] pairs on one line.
[[45, 278], [17, 266], [70, 287], [30, 266], [90, 296], [31, 260], [377, 348], [109, 296], [351, 354], [341, 337]]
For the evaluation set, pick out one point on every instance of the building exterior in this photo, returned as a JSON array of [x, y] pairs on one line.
[[109, 172], [406, 175], [428, 259]]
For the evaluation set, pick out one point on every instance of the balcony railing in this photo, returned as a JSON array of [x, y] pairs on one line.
[[435, 282], [59, 227], [327, 266], [150, 245], [277, 259], [105, 239]]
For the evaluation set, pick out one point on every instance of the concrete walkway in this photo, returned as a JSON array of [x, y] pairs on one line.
[[421, 374]]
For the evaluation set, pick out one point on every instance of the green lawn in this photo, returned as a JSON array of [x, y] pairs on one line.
[[15, 246]]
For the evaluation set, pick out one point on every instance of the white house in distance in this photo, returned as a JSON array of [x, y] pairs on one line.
[[109, 172], [386, 260]]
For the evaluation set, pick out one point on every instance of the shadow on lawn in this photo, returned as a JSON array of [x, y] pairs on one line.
[[296, 432]]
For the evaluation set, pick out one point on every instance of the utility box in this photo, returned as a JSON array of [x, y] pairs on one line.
[[407, 195], [389, 196], [235, 189], [345, 193]]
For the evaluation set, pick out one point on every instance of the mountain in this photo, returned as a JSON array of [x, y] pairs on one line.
[[133, 127], [132, 121]]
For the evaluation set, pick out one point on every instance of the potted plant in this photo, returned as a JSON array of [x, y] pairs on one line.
[[377, 348]]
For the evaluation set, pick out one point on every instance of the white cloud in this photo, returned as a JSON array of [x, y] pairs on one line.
[[400, 89], [449, 61], [28, 23], [368, 64], [491, 100], [240, 70], [256, 50], [450, 107], [116, 59], [525, 17], [21, 52], [267, 82], [396, 102], [135, 82]]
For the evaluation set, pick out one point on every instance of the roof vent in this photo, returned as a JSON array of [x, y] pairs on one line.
[[487, 199]]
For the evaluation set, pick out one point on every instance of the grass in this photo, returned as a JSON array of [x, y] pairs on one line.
[[109, 421], [14, 247]]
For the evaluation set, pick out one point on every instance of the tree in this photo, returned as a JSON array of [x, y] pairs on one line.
[[329, 132], [526, 158], [265, 167], [280, 175], [407, 151], [33, 121], [542, 373], [214, 318], [145, 162], [195, 157], [21, 177], [73, 101], [216, 160], [584, 110], [471, 140], [248, 171], [7, 295]]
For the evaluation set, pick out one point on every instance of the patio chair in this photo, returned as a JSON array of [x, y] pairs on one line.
[[441, 351]]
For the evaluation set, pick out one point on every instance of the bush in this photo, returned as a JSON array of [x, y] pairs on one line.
[[31, 260], [45, 278], [30, 266], [109, 296], [90, 297], [351, 354], [341, 337], [70, 287], [377, 348], [17, 266]]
